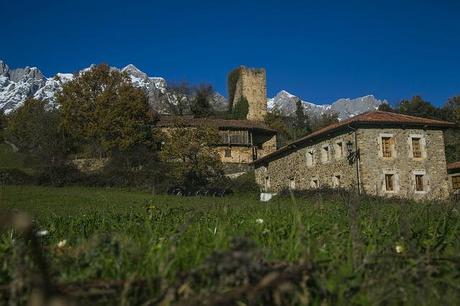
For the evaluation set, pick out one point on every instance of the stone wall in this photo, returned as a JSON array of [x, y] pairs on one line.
[[238, 154], [297, 170], [306, 167], [251, 84], [432, 164]]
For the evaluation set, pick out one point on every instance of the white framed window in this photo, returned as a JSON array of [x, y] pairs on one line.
[[267, 183], [336, 181], [314, 183], [420, 181], [339, 149], [310, 157], [417, 145], [292, 183], [390, 181], [326, 153], [387, 147]]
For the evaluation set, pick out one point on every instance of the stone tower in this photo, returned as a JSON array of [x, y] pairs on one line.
[[249, 83]]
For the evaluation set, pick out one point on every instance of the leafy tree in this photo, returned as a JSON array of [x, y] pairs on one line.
[[179, 98], [2, 125], [35, 131], [385, 107], [201, 104], [451, 112], [103, 110], [278, 122], [190, 151], [324, 120], [302, 122], [418, 107], [241, 109]]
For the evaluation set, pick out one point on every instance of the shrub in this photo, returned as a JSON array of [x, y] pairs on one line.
[[14, 177]]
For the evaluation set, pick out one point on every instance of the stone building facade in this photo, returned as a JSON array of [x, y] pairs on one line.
[[249, 83], [453, 171], [377, 153], [241, 141]]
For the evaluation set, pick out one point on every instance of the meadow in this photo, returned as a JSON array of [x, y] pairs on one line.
[[111, 246]]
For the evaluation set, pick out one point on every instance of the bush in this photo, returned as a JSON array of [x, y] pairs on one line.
[[59, 175], [15, 177]]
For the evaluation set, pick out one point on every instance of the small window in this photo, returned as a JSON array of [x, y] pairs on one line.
[[326, 154], [339, 149], [419, 186], [389, 182], [336, 181], [456, 182], [314, 183], [310, 158], [228, 152], [416, 148], [292, 183], [267, 183], [386, 147]]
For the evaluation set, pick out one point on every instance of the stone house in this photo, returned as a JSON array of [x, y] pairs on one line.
[[453, 170], [242, 141], [377, 153]]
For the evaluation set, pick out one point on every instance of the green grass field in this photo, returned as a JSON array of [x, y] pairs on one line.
[[324, 249]]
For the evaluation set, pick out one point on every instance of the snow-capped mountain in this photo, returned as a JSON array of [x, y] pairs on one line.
[[16, 85], [285, 103]]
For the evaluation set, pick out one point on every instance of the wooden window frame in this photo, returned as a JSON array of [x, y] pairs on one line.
[[456, 182], [416, 147], [419, 182], [387, 147], [390, 182]]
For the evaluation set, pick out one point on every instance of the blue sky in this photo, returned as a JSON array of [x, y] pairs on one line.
[[318, 50]]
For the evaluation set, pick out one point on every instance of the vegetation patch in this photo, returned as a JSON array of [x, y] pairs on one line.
[[112, 246]]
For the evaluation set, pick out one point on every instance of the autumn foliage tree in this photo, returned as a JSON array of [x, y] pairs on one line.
[[35, 131], [190, 151], [102, 110]]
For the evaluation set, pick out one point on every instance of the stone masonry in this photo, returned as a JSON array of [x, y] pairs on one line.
[[432, 164], [395, 156], [308, 167], [249, 83]]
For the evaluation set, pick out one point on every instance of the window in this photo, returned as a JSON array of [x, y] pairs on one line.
[[336, 181], [338, 149], [416, 147], [456, 182], [326, 154], [292, 183], [386, 147], [267, 183], [310, 158], [228, 152], [389, 182], [419, 182], [314, 183]]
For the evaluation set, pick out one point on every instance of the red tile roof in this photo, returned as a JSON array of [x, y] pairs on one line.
[[373, 118], [171, 121], [453, 166]]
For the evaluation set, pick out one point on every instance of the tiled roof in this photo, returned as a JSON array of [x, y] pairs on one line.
[[171, 121], [453, 166], [373, 118]]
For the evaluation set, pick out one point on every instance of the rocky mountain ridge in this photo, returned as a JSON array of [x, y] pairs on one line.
[[285, 103], [16, 85]]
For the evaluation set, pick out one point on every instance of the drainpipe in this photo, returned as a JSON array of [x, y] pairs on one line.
[[358, 158]]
